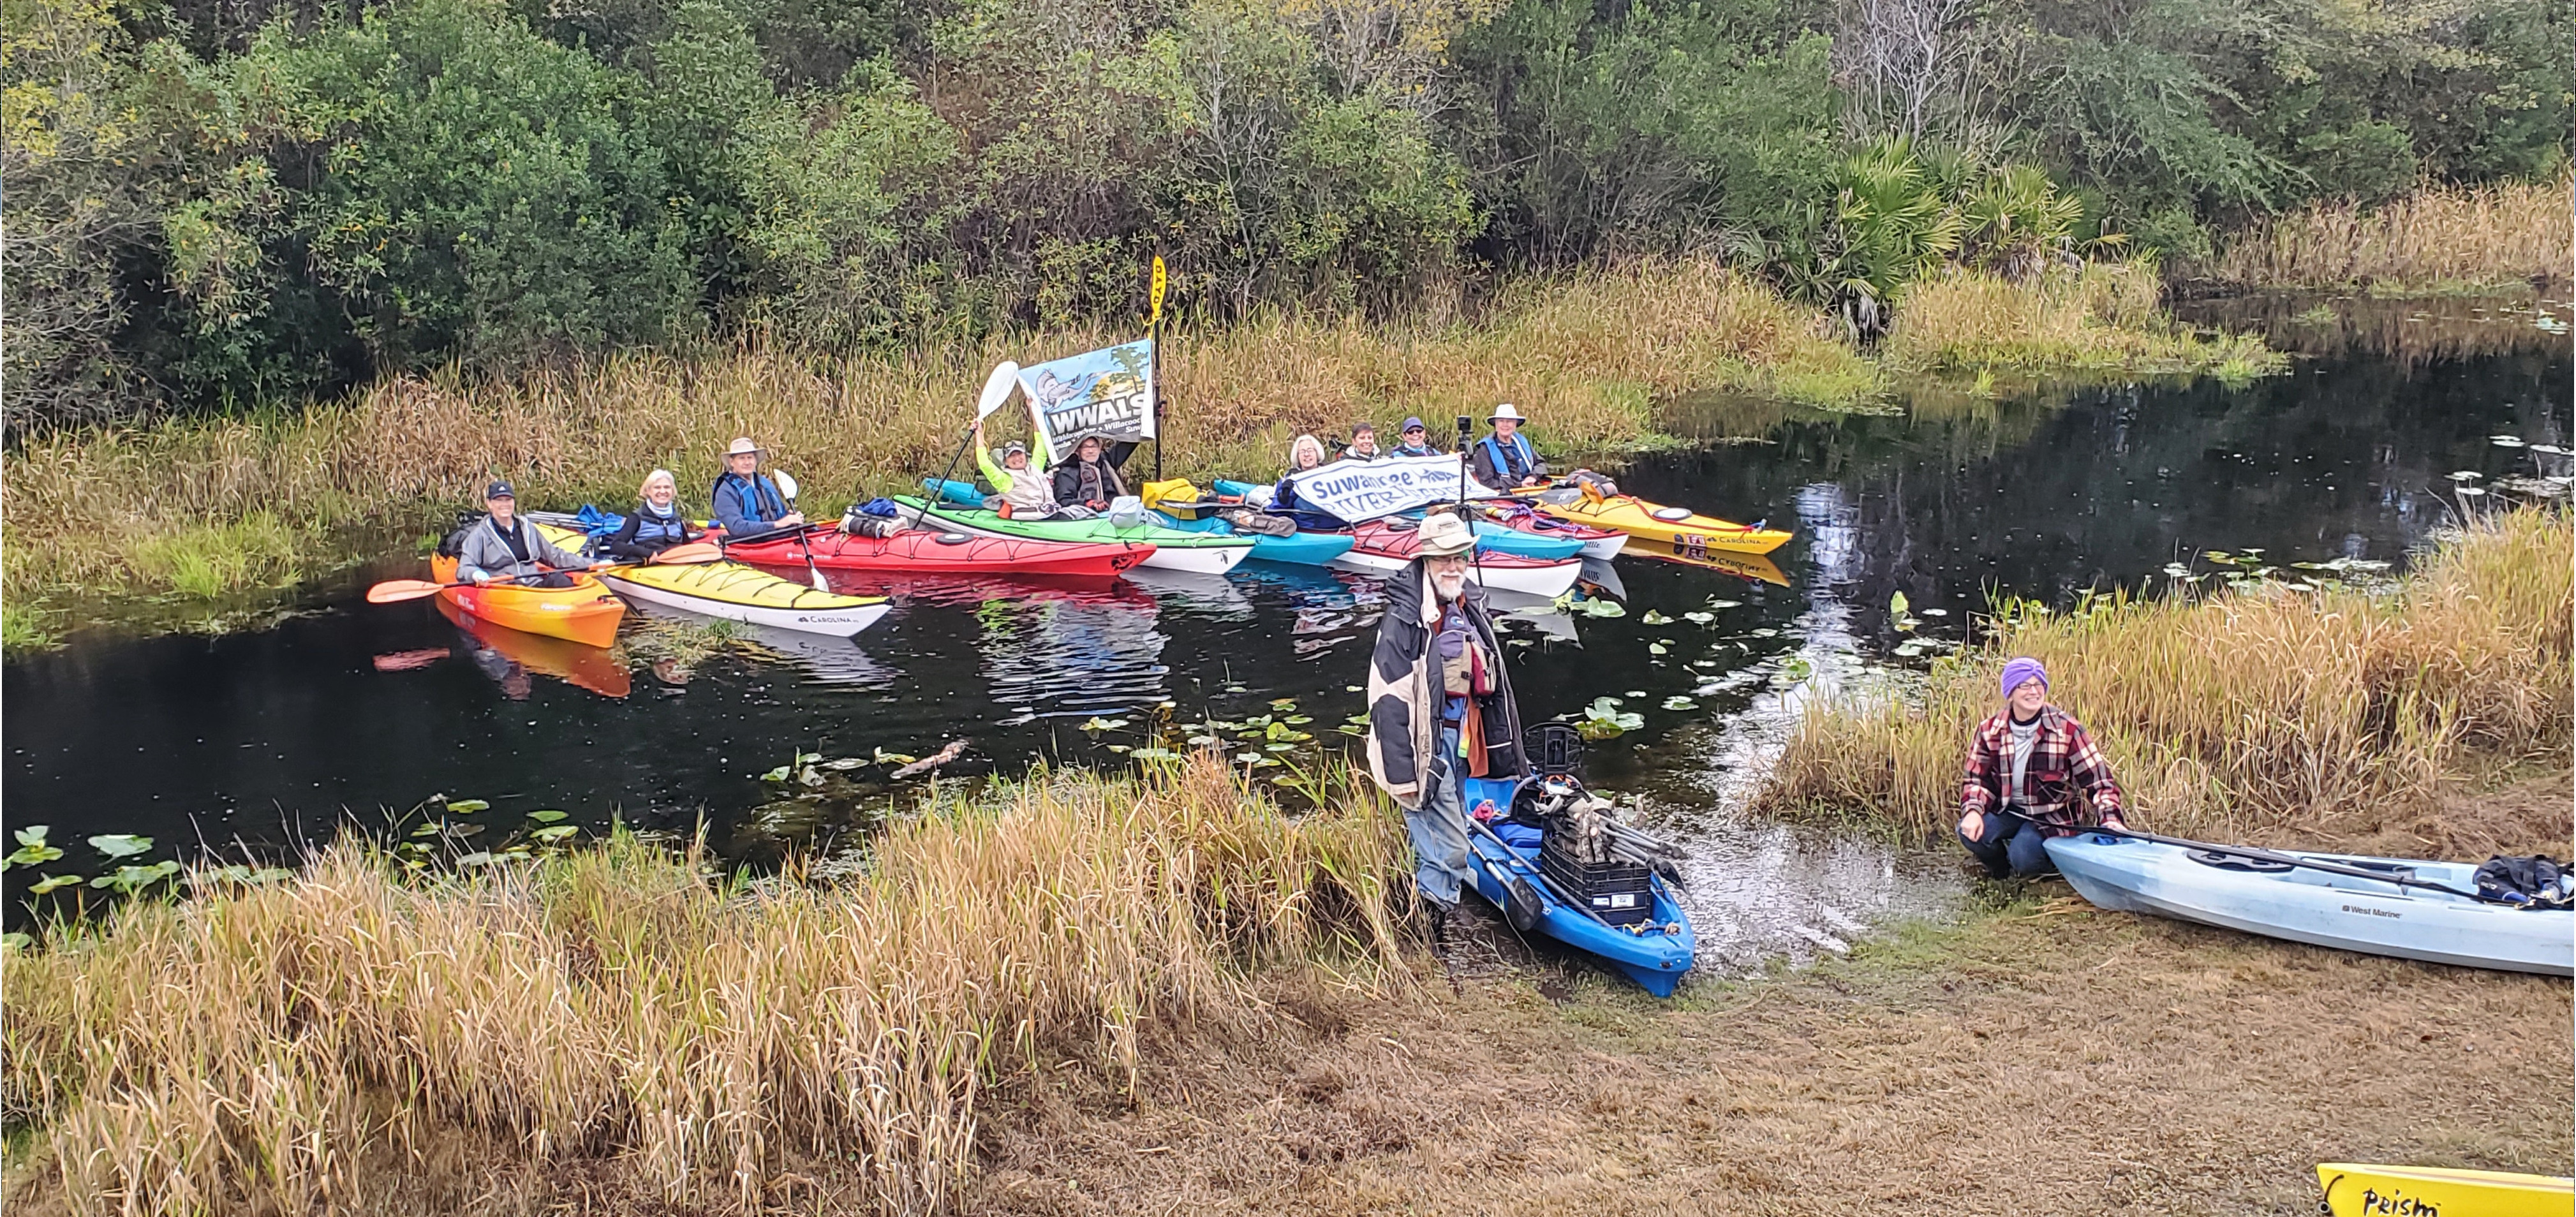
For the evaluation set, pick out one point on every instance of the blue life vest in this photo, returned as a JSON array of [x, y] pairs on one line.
[[662, 530], [1514, 461], [756, 496]]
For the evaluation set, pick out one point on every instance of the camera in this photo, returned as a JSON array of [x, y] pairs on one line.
[[1466, 430]]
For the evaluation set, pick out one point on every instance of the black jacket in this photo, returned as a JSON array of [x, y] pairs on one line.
[[1403, 693]]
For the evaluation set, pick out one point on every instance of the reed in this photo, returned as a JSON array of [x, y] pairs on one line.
[[2255, 714], [2439, 239], [613, 1014], [2092, 318]]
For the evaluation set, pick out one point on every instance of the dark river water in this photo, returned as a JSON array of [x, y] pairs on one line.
[[350, 712]]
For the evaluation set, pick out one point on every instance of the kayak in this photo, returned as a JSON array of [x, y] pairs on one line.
[[2353, 1189], [945, 553], [1493, 536], [497, 649], [2313, 906], [1172, 549], [1602, 543], [1655, 951], [1384, 549], [1297, 549], [736, 593], [587, 612], [1686, 533]]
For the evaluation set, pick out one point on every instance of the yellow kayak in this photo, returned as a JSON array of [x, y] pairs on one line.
[[1675, 531], [736, 592], [2354, 1189]]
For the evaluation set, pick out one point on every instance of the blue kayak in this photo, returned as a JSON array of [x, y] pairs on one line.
[[1302, 549], [1491, 538], [1655, 953], [2346, 911]]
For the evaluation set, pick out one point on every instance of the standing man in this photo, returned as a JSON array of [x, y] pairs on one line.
[[744, 500], [503, 546], [1505, 460], [2032, 774], [1440, 708], [1414, 440]]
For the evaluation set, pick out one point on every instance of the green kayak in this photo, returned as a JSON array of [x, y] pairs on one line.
[[1174, 549]]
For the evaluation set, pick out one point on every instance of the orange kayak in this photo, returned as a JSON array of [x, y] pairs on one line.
[[587, 612]]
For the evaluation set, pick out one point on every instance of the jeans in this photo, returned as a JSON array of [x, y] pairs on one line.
[[1439, 826], [2011, 847]]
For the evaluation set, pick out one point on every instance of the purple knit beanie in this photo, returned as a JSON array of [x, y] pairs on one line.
[[2021, 668]]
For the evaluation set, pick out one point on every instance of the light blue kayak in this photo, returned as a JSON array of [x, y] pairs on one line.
[[2327, 909], [1491, 538], [1656, 953], [1302, 549]]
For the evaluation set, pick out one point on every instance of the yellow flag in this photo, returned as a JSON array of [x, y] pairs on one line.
[[1157, 296]]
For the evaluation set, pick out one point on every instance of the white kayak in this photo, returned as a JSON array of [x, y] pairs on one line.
[[2321, 907]]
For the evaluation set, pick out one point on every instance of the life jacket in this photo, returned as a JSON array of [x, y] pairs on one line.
[[1513, 460], [759, 498], [1415, 450], [659, 531]]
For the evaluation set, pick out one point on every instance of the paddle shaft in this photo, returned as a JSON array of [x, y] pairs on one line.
[[2281, 859], [939, 489], [1519, 866]]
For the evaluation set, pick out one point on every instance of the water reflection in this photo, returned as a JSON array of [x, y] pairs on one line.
[[1072, 657]]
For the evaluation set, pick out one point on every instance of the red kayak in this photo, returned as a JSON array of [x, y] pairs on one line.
[[944, 553]]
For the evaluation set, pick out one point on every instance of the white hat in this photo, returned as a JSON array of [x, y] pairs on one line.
[[1443, 534], [743, 446], [1505, 410]]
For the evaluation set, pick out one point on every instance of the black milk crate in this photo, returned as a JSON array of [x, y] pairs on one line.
[[1621, 892]]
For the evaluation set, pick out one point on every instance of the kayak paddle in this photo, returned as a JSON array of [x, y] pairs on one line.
[[1521, 903], [997, 389], [396, 591], [787, 487], [2276, 858]]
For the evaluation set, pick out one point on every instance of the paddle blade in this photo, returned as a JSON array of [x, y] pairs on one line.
[[395, 591], [692, 554], [786, 484], [1521, 905], [997, 388]]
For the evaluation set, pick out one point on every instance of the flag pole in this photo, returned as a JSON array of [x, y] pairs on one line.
[[1154, 358]]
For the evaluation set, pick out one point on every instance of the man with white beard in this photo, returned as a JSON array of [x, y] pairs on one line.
[[1440, 707]]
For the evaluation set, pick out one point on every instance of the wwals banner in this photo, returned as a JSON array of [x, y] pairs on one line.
[[1108, 393]]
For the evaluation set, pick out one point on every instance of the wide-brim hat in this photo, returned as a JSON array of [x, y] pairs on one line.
[[1505, 410], [1444, 534], [742, 446]]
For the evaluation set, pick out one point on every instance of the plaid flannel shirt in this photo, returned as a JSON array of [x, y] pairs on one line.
[[2066, 774]]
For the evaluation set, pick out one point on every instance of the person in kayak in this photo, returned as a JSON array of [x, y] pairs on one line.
[[1091, 477], [1414, 439], [1440, 707], [1305, 453], [2032, 773], [1025, 490], [1363, 445], [502, 546], [655, 525], [1505, 460], [744, 500]]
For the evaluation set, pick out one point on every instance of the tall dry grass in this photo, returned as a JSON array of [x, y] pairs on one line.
[[613, 1015], [2438, 239], [2101, 316], [1585, 355], [2252, 715]]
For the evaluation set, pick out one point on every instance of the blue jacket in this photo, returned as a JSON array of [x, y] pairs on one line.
[[1504, 464], [745, 506]]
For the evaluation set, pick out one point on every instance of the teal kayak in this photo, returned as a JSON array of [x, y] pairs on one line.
[[1655, 951], [1301, 549], [1174, 549]]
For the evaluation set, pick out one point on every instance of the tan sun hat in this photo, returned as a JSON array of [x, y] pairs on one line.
[[1443, 534], [742, 446], [1505, 410]]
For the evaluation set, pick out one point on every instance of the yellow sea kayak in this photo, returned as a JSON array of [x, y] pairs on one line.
[[736, 592], [2356, 1189], [1676, 531]]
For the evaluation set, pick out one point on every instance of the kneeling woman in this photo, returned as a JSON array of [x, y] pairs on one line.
[[655, 525], [2032, 774]]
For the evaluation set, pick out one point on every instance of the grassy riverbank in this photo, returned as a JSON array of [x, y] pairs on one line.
[[2261, 713], [361, 1041], [1589, 356], [2439, 240]]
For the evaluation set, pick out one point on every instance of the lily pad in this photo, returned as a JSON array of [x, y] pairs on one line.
[[120, 844]]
